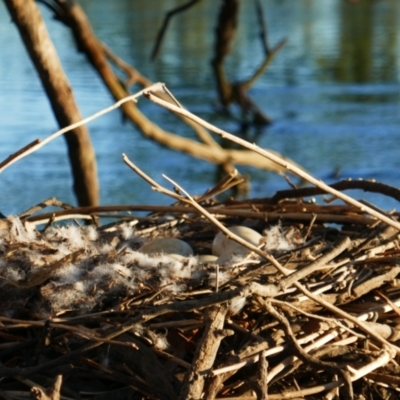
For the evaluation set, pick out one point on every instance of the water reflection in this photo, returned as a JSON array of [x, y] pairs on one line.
[[368, 42], [333, 93]]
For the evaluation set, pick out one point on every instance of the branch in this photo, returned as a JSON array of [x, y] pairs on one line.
[[163, 29], [225, 31], [263, 27], [366, 186], [260, 71], [37, 144]]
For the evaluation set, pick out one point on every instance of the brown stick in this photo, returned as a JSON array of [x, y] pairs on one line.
[[300, 274], [366, 186], [164, 27], [23, 150], [224, 33], [260, 384], [205, 354]]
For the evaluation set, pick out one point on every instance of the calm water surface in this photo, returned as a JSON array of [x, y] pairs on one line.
[[333, 93]]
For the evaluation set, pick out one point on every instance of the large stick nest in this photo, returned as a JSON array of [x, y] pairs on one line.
[[309, 309], [312, 312]]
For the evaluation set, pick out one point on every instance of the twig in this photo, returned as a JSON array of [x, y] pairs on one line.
[[36, 145], [52, 202], [246, 85], [152, 183], [133, 74], [395, 308], [365, 185], [322, 261], [9, 159], [333, 321], [263, 27], [380, 361], [310, 225], [163, 29], [306, 358]]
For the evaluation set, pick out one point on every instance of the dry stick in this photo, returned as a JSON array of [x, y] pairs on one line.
[[279, 267], [310, 226], [206, 352], [369, 284], [379, 362], [145, 177], [202, 134], [322, 338], [80, 331], [227, 182], [133, 76], [388, 301], [260, 384], [36, 145], [345, 315], [136, 76], [267, 154], [20, 323], [296, 276], [51, 202], [305, 357], [384, 378], [86, 212], [171, 357], [10, 158], [366, 186], [330, 321]]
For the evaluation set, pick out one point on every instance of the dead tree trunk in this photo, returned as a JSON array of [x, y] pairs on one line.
[[27, 17]]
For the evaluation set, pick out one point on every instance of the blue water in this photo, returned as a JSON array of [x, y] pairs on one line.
[[333, 93]]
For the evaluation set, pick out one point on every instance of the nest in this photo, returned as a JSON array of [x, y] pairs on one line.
[[312, 311]]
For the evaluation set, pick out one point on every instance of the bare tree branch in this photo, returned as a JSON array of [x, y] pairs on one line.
[[164, 27], [263, 27]]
